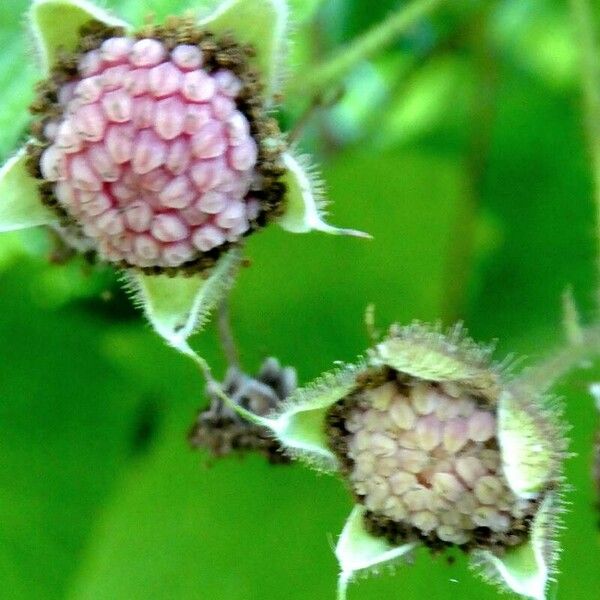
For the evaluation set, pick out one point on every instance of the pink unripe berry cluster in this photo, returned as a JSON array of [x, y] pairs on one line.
[[152, 156], [427, 457]]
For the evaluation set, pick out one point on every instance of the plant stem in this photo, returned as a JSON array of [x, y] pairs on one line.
[[298, 129], [230, 350], [217, 389], [334, 69], [586, 34], [459, 262], [546, 373]]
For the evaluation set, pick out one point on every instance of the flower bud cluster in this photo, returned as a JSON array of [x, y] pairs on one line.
[[424, 456]]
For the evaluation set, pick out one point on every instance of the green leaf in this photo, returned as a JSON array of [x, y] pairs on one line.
[[525, 568], [20, 203], [261, 23], [55, 25], [358, 551], [304, 202], [177, 307], [67, 418]]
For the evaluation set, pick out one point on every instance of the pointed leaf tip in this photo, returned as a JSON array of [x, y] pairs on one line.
[[304, 203], [55, 25], [21, 206], [358, 551], [179, 306], [267, 33], [519, 569], [300, 425], [524, 569], [303, 432]]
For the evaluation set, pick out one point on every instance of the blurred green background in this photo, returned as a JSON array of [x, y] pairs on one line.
[[461, 149]]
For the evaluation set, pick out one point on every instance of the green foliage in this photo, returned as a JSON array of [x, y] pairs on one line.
[[99, 495]]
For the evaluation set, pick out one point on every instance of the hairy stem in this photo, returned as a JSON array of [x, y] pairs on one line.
[[364, 47], [586, 34], [546, 373], [217, 389]]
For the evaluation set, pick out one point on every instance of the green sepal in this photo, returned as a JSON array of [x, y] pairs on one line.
[[300, 424], [55, 26], [300, 431], [358, 551], [179, 306], [427, 353], [304, 202], [532, 440], [21, 206], [526, 568], [261, 23]]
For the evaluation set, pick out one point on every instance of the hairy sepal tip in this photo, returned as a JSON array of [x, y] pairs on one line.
[[358, 552], [304, 210], [177, 307]]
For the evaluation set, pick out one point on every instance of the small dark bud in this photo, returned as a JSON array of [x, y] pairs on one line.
[[221, 431]]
